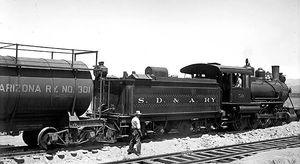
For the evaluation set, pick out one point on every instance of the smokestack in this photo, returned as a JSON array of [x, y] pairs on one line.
[[275, 72]]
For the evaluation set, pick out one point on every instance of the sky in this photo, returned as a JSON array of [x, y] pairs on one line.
[[133, 34]]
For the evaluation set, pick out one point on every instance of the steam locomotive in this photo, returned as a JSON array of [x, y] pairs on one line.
[[60, 102]]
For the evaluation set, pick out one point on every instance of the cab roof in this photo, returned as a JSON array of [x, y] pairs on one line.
[[213, 68]]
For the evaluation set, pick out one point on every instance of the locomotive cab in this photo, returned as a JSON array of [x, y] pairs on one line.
[[234, 81]]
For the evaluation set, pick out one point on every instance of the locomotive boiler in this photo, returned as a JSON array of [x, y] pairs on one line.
[[267, 89]]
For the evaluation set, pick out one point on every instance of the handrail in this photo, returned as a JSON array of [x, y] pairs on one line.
[[46, 49]]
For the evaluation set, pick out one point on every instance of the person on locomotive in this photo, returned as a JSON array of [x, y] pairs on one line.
[[238, 81], [136, 134]]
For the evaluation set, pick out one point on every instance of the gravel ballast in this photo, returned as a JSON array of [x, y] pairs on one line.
[[155, 147]]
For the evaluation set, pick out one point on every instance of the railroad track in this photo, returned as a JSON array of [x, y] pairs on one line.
[[19, 150], [13, 151], [223, 154]]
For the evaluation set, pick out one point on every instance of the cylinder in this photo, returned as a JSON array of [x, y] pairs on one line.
[[275, 72]]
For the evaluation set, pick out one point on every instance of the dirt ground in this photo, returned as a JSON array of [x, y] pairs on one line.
[[154, 147]]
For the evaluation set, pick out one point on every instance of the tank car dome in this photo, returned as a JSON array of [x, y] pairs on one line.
[[260, 73]]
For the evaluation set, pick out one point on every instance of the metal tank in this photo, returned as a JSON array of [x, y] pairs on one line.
[[274, 89], [37, 92]]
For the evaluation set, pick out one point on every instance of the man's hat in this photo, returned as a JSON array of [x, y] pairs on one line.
[[138, 112]]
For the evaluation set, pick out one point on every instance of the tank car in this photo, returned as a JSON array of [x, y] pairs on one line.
[[42, 97]]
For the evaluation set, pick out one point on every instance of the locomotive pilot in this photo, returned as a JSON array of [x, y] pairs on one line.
[[136, 134]]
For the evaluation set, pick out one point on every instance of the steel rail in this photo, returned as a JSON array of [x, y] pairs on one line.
[[19, 150], [222, 154]]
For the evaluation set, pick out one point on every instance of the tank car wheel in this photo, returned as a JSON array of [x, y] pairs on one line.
[[43, 139], [30, 138], [185, 128]]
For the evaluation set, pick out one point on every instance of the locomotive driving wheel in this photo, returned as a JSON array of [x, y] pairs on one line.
[[238, 122], [253, 122], [44, 140], [264, 122]]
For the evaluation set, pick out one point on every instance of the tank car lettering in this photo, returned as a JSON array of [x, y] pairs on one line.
[[30, 88], [48, 88], [33, 88], [67, 89], [141, 100], [17, 88], [24, 88], [84, 89], [38, 88], [9, 88], [55, 89], [2, 88]]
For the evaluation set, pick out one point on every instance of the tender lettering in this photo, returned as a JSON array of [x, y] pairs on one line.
[[175, 100], [159, 100], [141, 100], [206, 99], [213, 99], [191, 100]]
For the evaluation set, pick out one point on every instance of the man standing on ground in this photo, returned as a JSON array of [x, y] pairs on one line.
[[136, 134]]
